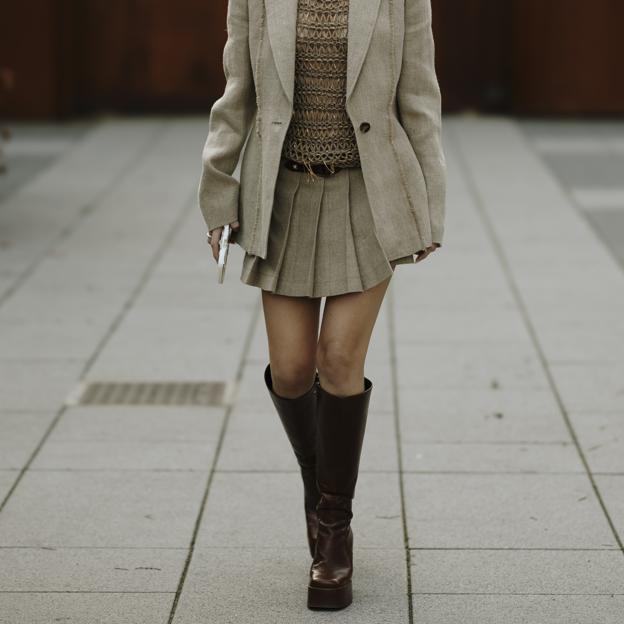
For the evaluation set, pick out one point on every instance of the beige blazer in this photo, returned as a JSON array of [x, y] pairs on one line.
[[392, 99]]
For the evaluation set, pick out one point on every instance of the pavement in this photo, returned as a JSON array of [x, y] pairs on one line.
[[144, 476]]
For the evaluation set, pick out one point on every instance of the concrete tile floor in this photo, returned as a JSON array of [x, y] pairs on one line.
[[491, 480]]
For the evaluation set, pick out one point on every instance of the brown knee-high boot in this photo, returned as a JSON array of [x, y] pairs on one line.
[[341, 423], [298, 416]]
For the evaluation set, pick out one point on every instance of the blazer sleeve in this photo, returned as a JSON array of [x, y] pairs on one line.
[[419, 103], [229, 124]]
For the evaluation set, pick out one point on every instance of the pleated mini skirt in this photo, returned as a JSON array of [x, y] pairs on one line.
[[322, 238]]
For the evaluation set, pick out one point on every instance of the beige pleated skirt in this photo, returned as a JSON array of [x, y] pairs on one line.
[[322, 238]]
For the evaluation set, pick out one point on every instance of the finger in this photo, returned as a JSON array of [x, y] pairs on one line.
[[235, 225], [215, 237], [214, 244]]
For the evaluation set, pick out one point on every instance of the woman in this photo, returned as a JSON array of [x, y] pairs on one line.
[[337, 105]]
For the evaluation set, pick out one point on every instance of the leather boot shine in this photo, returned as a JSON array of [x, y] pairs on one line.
[[341, 423], [298, 417]]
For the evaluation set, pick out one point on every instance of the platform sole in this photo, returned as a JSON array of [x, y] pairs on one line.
[[330, 597]]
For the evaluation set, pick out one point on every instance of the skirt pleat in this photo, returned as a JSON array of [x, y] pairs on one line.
[[322, 238]]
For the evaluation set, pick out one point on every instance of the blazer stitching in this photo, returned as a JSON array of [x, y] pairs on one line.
[[258, 207], [390, 130], [258, 69]]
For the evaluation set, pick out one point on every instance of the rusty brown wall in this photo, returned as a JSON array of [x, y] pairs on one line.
[[521, 56]]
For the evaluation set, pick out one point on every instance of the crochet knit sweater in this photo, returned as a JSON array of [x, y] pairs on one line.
[[320, 130]]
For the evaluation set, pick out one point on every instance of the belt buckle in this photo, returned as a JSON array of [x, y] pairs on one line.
[[317, 168]]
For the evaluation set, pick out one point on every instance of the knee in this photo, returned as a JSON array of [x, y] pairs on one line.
[[340, 365], [291, 377]]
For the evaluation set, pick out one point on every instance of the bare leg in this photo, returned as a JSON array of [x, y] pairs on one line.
[[292, 331], [346, 329]]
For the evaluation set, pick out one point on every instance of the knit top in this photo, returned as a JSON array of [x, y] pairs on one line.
[[320, 130]]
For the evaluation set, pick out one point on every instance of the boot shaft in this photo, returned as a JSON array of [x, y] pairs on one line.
[[298, 417], [341, 424]]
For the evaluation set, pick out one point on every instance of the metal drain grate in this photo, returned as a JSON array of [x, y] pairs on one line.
[[211, 393]]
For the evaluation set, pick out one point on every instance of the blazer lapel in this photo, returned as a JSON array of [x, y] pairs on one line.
[[281, 18], [362, 19]]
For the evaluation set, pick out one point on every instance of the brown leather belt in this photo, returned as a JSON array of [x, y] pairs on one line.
[[318, 168]]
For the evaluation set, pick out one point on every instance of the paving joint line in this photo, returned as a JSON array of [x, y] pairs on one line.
[[515, 291], [515, 594], [514, 549], [78, 591], [135, 292], [585, 214], [397, 434], [83, 212], [255, 315]]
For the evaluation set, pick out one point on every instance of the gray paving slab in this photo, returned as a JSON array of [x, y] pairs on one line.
[[6, 281], [458, 326], [265, 510], [517, 572], [255, 441], [133, 438], [452, 424], [496, 458], [20, 432], [190, 286], [517, 609], [469, 365], [37, 384], [478, 260], [504, 511], [25, 339], [601, 435], [585, 311], [477, 403], [7, 479], [500, 163], [609, 225], [279, 578], [90, 569], [190, 344], [98, 256], [593, 341], [611, 488], [448, 292], [541, 296], [95, 298], [591, 387], [182, 318], [95, 608], [122, 508], [602, 170], [72, 182], [594, 201], [602, 130], [33, 147]]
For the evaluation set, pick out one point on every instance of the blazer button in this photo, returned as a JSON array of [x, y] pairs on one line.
[[365, 126]]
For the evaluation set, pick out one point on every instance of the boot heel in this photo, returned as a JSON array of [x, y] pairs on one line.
[[330, 598]]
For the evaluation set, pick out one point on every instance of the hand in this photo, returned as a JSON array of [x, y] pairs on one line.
[[215, 237], [421, 255]]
